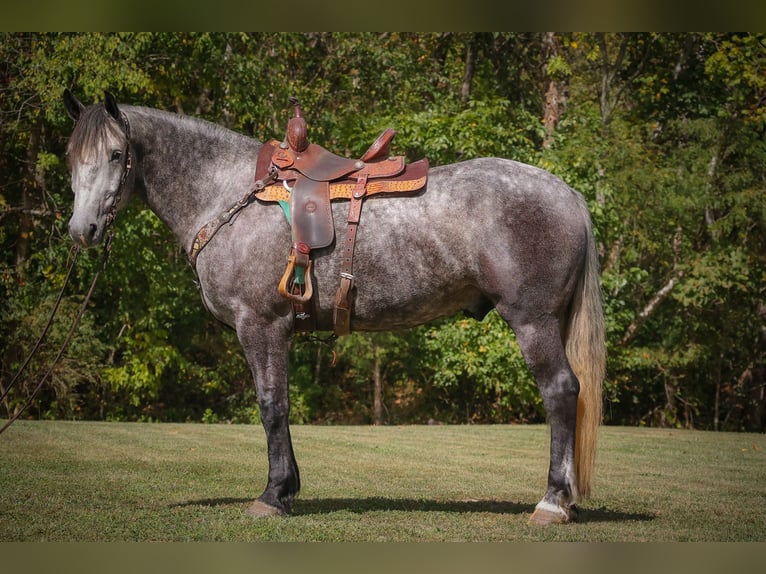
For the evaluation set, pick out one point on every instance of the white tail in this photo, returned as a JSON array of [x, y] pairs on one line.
[[586, 351]]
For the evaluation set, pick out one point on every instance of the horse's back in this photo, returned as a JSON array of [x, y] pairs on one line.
[[484, 230]]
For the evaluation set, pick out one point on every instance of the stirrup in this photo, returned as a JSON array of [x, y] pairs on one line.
[[287, 282]]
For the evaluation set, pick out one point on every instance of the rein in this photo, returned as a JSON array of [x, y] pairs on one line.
[[72, 257], [67, 339], [74, 252]]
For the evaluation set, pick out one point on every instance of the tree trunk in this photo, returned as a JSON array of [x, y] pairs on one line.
[[610, 94], [555, 91], [377, 386], [753, 381], [669, 415], [469, 69], [650, 308], [318, 366], [660, 296], [26, 218]]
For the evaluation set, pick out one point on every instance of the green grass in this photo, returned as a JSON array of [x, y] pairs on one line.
[[63, 481]]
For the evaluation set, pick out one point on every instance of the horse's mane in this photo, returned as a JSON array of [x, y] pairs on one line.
[[90, 131], [95, 124]]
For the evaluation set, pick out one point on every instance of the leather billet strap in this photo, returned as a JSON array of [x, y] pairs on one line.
[[344, 295]]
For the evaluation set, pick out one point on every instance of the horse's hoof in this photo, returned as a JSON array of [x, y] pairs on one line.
[[546, 514], [260, 508]]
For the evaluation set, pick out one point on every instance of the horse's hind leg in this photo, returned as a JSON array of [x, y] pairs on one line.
[[266, 348], [541, 343]]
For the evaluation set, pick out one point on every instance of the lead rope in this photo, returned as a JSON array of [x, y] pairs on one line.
[[67, 340], [72, 257], [74, 252]]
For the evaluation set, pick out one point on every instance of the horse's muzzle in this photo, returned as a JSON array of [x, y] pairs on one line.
[[85, 237]]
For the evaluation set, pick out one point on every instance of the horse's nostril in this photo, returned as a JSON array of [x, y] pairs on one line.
[[83, 235]]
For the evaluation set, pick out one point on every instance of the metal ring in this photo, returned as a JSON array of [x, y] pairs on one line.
[[287, 187]]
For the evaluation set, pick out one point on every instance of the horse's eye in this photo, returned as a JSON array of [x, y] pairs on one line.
[[116, 154]]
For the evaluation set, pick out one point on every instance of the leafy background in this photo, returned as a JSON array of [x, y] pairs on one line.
[[662, 132]]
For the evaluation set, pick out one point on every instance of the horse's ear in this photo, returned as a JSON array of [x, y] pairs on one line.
[[110, 103], [73, 106]]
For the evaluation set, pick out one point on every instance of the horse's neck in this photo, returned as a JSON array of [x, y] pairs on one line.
[[189, 171]]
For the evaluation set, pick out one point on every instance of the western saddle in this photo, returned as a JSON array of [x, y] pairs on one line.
[[305, 178]]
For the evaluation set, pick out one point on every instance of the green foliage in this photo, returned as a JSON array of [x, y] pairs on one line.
[[333, 382], [75, 383], [458, 132], [481, 366], [662, 133]]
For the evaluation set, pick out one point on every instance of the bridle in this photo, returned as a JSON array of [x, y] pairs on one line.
[[73, 254], [125, 172]]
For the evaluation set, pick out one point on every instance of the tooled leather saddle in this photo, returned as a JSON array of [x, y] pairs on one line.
[[304, 177]]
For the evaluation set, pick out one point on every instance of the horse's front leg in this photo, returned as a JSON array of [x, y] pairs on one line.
[[266, 348]]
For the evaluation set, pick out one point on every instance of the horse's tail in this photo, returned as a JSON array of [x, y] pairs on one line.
[[586, 351]]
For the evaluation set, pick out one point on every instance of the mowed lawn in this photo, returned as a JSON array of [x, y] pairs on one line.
[[75, 481]]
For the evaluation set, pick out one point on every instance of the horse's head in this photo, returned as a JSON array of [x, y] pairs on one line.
[[100, 162]]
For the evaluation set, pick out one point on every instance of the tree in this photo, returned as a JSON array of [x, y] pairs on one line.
[[663, 134]]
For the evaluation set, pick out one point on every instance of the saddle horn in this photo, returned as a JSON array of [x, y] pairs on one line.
[[297, 132]]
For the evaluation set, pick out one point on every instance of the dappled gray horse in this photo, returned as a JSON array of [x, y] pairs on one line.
[[485, 233]]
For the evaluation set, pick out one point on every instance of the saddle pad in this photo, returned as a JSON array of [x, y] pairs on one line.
[[413, 179], [311, 215]]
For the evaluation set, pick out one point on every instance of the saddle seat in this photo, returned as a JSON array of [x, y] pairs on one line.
[[305, 177]]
